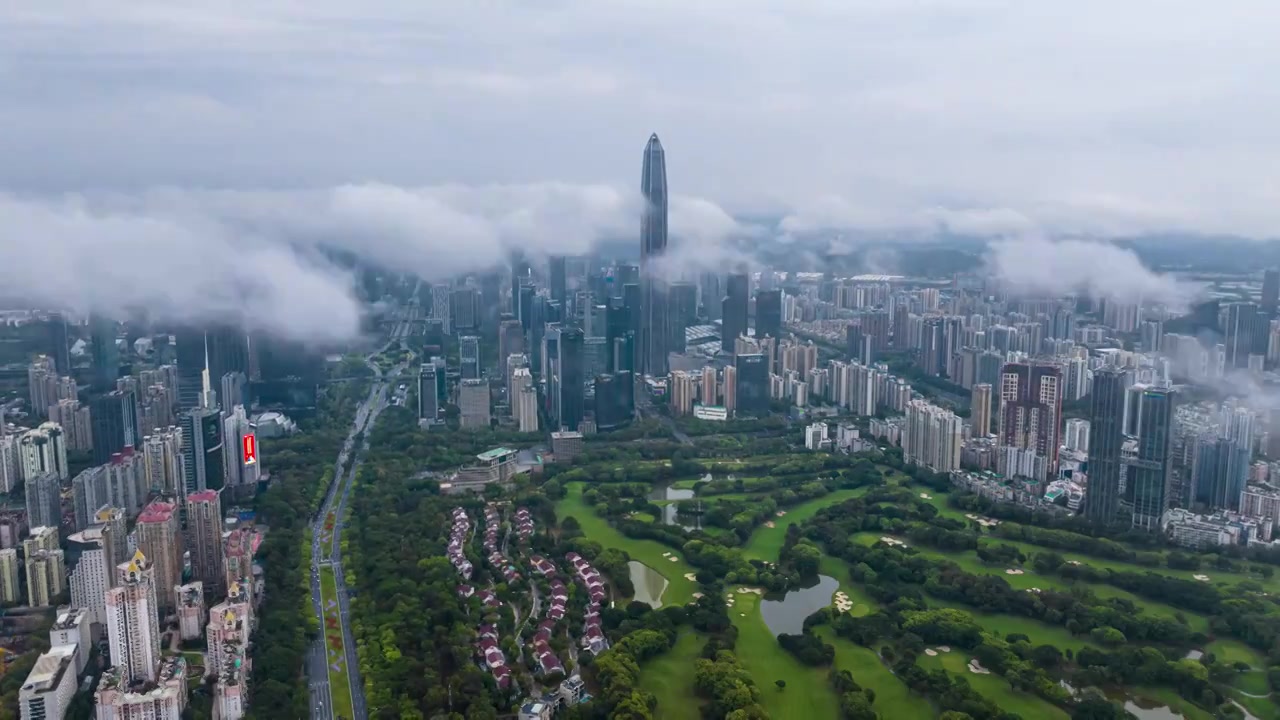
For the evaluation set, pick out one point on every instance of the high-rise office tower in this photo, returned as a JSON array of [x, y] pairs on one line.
[[1219, 471], [734, 310], [653, 333], [556, 277], [769, 313], [133, 625], [682, 313], [613, 400], [570, 380], [752, 385], [510, 338], [228, 352], [115, 424], [980, 409], [1270, 293], [473, 404], [106, 355], [191, 358], [469, 356], [524, 400], [235, 389], [466, 309], [160, 539], [204, 521], [1106, 438], [59, 344], [162, 455], [1246, 329], [1031, 410], [428, 399], [203, 438], [1152, 467], [44, 502], [441, 310]]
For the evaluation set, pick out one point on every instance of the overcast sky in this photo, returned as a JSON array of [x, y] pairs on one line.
[[434, 136], [1094, 115]]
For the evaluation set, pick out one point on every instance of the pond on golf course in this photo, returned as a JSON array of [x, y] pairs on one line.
[[785, 613], [648, 582]]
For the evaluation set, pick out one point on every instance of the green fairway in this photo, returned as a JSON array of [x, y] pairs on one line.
[[1040, 633], [893, 698], [670, 678], [839, 569], [807, 693], [339, 680], [679, 589], [766, 542], [993, 687]]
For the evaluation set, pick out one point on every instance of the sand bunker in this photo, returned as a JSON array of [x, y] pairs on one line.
[[770, 524], [690, 577], [1201, 578], [892, 541], [666, 554], [976, 668], [926, 496], [930, 652], [944, 648], [673, 558], [1013, 571]]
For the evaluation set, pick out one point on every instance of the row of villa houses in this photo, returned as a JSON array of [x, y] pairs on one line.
[[593, 638]]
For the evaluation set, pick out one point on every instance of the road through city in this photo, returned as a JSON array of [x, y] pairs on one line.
[[327, 550]]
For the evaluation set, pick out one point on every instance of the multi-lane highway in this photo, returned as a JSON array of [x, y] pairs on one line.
[[328, 550]]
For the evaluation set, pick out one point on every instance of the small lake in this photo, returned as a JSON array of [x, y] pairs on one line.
[[785, 613], [672, 495], [649, 584]]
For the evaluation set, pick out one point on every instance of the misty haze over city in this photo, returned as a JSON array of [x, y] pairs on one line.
[[237, 139]]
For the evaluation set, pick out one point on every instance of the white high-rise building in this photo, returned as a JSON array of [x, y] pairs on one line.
[[43, 450], [47, 692], [75, 421], [235, 426], [162, 455], [133, 621], [92, 577], [524, 400], [1075, 435], [10, 590]]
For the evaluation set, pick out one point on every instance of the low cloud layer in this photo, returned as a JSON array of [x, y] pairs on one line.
[[255, 257]]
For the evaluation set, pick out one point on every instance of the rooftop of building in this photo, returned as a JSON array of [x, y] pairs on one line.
[[566, 435], [495, 454], [203, 496], [191, 594], [157, 512], [46, 674], [69, 618]]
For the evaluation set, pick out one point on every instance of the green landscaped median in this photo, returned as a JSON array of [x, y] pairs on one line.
[[334, 646], [807, 694], [670, 678], [893, 698], [766, 542], [679, 588]]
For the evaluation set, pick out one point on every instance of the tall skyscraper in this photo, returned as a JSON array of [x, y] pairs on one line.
[[769, 313], [1031, 410], [556, 277], [1106, 438], [106, 355], [43, 450], [1153, 465], [734, 310], [751, 392], [90, 490], [133, 626], [980, 409], [931, 437], [1245, 331], [570, 381], [428, 399], [469, 356], [653, 245], [190, 356], [1270, 293], [204, 521], [473, 404], [241, 477], [115, 424], [160, 538], [162, 454]]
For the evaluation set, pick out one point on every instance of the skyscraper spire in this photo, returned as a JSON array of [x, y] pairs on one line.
[[652, 328], [208, 397]]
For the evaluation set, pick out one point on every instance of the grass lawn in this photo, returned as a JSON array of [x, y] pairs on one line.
[[670, 678], [766, 542], [993, 687], [807, 694], [339, 681], [1265, 708], [1234, 651], [893, 698], [1039, 632], [679, 590]]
